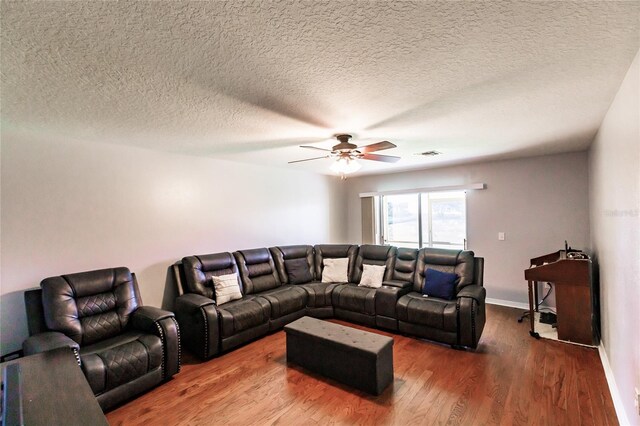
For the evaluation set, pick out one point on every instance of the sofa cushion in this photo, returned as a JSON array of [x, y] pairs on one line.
[[121, 359], [90, 306], [199, 269], [243, 314], [318, 294], [372, 276], [433, 312], [439, 284], [333, 251], [369, 254], [227, 288], [405, 264], [350, 297], [298, 271], [285, 300], [257, 270], [282, 254], [335, 270]]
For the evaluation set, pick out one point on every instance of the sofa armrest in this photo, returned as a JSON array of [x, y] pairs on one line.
[[397, 284], [145, 318], [471, 314], [198, 319], [192, 301], [476, 292], [387, 297], [47, 341], [164, 325]]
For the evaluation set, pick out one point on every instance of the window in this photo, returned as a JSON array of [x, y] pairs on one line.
[[427, 219], [401, 223]]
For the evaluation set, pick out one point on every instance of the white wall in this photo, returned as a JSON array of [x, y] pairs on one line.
[[614, 162], [538, 202], [69, 207]]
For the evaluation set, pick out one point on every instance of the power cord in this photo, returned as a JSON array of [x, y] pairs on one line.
[[526, 313], [545, 298]]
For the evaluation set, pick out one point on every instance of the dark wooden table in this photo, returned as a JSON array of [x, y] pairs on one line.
[[54, 391], [576, 320]]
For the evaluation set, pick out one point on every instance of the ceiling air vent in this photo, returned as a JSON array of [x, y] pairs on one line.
[[429, 153]]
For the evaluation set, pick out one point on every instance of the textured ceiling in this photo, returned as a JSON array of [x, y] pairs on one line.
[[250, 81]]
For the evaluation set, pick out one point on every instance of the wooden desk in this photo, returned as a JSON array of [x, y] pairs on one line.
[[574, 304], [54, 391]]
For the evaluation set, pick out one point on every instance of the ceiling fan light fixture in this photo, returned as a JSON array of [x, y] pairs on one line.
[[344, 166], [346, 153]]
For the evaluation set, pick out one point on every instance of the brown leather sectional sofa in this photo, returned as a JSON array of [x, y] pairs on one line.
[[282, 284], [125, 348]]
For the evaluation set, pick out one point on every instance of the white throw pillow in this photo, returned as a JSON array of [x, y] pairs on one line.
[[335, 270], [372, 276], [227, 288]]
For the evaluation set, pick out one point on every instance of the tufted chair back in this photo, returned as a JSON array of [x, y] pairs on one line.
[[373, 255], [460, 262], [332, 251], [257, 270], [285, 256], [90, 306], [198, 271], [405, 264]]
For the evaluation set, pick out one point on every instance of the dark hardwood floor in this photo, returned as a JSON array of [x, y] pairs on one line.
[[510, 379]]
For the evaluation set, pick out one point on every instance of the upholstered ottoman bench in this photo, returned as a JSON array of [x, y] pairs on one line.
[[354, 357]]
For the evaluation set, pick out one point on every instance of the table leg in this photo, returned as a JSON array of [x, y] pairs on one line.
[[532, 319]]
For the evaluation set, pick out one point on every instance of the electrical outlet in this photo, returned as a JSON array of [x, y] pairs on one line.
[[500, 236], [636, 401]]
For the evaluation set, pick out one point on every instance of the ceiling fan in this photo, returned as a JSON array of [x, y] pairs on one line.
[[346, 154]]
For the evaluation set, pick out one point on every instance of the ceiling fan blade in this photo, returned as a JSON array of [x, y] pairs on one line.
[[309, 159], [314, 147], [377, 157], [379, 146]]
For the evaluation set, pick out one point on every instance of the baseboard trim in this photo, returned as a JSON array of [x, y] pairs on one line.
[[508, 303], [613, 388]]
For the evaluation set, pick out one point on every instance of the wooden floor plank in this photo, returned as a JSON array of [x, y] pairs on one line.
[[518, 404], [510, 378]]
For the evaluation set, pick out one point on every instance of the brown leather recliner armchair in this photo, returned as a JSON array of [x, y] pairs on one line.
[[123, 348]]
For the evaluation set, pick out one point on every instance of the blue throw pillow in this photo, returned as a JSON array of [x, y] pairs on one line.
[[439, 284]]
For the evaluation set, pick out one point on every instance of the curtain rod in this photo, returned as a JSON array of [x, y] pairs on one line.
[[431, 189]]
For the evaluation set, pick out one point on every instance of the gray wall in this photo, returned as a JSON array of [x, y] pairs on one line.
[[538, 202], [614, 165], [69, 207]]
